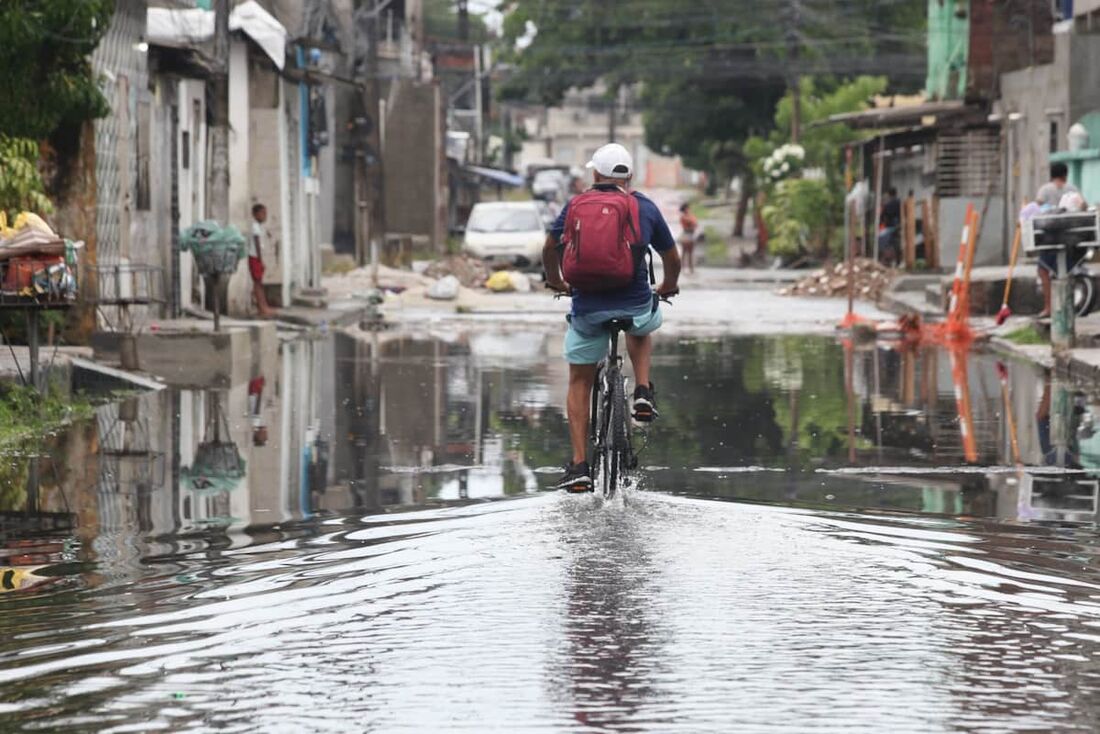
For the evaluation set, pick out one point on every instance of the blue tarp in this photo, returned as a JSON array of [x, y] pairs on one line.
[[497, 175]]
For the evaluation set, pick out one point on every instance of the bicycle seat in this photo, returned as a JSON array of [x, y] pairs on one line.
[[623, 325]]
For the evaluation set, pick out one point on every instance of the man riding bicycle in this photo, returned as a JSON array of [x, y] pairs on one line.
[[607, 280]]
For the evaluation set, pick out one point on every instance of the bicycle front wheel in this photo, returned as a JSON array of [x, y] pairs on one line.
[[617, 443]]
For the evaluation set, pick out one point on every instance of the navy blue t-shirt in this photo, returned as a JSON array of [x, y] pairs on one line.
[[655, 233]]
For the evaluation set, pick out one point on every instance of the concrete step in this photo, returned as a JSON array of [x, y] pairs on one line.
[[987, 292], [310, 298]]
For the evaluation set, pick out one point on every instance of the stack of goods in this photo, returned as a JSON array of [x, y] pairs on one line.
[[869, 281], [35, 263]]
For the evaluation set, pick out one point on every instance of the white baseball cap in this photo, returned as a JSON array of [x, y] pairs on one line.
[[612, 160]]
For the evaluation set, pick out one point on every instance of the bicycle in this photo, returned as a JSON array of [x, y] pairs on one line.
[[611, 453]]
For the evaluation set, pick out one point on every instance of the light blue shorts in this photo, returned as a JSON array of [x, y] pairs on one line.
[[587, 342]]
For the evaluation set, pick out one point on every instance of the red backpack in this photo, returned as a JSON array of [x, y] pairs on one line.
[[601, 240]]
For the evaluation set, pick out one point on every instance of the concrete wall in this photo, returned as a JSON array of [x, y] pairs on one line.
[[1050, 98], [413, 158], [992, 245], [1041, 95], [1083, 59], [265, 168]]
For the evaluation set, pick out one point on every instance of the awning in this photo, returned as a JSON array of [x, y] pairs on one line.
[[904, 116], [189, 26], [496, 175]]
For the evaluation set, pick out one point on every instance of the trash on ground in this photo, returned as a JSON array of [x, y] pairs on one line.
[[508, 281], [444, 289], [361, 280], [520, 282], [470, 271], [870, 281]]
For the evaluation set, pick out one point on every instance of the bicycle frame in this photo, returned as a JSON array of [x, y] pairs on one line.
[[608, 433]]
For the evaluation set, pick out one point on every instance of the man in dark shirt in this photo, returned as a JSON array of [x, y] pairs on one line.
[[587, 342], [891, 224]]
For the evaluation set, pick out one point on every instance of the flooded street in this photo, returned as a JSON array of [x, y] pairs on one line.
[[825, 536]]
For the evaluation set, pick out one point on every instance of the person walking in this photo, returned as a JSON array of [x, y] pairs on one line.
[[889, 239], [256, 262], [607, 283], [689, 226], [1049, 197]]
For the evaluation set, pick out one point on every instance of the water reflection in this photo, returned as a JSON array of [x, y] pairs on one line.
[[369, 421], [372, 420], [243, 541]]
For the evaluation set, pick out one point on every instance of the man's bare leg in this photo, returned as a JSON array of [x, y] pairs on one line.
[[582, 377], [640, 349]]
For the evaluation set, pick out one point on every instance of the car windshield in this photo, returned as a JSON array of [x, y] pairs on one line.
[[503, 219], [551, 178]]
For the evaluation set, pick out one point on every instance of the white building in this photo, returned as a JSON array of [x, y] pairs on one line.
[[271, 159]]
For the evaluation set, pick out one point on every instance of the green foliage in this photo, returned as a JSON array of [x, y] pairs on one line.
[[815, 408], [578, 42], [824, 144], [801, 217], [713, 70], [25, 414], [46, 77], [822, 98], [1027, 335], [21, 185], [705, 123]]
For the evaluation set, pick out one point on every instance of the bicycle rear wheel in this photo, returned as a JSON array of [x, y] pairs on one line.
[[616, 445]]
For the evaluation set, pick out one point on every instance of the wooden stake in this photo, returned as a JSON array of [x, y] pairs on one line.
[[909, 232]]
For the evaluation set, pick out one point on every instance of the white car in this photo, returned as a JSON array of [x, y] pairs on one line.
[[550, 184], [508, 231]]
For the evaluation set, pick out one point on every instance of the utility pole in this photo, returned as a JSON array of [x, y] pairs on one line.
[[612, 114], [794, 10], [219, 141], [219, 109], [375, 178], [463, 21], [479, 122]]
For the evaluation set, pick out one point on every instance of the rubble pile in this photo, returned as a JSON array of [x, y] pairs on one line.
[[870, 281], [470, 271]]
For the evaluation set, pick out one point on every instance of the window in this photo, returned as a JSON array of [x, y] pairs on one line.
[[185, 151], [1053, 136]]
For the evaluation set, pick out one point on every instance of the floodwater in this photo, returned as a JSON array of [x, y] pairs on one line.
[[825, 537]]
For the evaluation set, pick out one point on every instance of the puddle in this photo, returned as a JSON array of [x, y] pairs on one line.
[[356, 537]]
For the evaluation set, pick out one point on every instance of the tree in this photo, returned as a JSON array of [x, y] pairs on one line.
[[577, 43], [712, 71], [804, 214], [46, 79], [21, 185]]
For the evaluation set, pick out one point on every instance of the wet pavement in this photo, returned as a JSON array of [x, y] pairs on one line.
[[825, 536]]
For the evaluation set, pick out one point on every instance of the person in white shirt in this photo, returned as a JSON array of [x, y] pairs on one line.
[[256, 261]]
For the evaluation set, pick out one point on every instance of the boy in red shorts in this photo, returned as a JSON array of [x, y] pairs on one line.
[[256, 261]]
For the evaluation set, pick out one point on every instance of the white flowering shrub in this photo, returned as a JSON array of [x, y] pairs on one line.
[[784, 162]]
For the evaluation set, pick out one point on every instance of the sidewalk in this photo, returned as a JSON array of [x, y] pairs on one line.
[[918, 293]]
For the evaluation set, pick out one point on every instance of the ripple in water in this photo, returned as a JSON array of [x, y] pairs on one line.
[[564, 613]]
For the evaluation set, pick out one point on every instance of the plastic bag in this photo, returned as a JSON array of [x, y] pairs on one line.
[[444, 289], [520, 282], [32, 220], [500, 282]]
